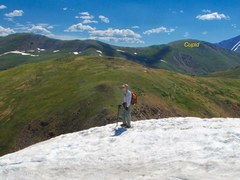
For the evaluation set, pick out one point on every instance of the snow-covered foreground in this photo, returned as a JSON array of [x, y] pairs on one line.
[[173, 148]]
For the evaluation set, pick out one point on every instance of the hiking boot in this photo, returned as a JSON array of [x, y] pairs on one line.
[[127, 126], [123, 125]]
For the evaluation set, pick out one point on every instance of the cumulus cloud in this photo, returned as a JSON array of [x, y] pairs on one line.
[[212, 16], [135, 27], [45, 25], [85, 13], [84, 17], [89, 21], [116, 32], [206, 11], [6, 31], [159, 30], [14, 13], [65, 8], [42, 28], [116, 35], [39, 29], [104, 19], [3, 6], [186, 34], [80, 28], [234, 26], [204, 33]]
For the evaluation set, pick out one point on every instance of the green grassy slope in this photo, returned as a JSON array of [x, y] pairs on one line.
[[39, 101], [173, 56], [205, 58], [176, 57], [231, 73]]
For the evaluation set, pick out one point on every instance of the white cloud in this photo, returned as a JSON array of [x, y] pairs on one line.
[[14, 13], [87, 18], [135, 27], [50, 27], [205, 33], [234, 26], [212, 16], [186, 34], [206, 11], [65, 8], [117, 39], [42, 28], [181, 11], [39, 30], [116, 32], [10, 19], [80, 28], [6, 31], [45, 25], [3, 6], [104, 19], [66, 37], [116, 35], [85, 13], [89, 21], [172, 11], [84, 17], [159, 30]]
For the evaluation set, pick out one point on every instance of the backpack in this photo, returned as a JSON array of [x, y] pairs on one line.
[[134, 98]]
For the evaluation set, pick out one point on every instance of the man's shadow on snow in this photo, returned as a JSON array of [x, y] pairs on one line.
[[119, 131]]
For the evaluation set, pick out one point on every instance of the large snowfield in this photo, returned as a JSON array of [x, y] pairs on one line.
[[171, 148]]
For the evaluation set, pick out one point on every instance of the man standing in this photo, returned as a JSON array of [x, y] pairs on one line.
[[126, 106]]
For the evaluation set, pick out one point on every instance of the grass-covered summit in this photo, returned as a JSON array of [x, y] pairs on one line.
[[41, 100]]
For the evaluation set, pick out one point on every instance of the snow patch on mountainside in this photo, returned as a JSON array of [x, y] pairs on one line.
[[18, 52], [236, 46], [98, 51], [39, 49], [171, 148], [163, 61], [76, 53], [119, 50]]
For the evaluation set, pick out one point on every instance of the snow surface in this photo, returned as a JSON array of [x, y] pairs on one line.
[[98, 51], [119, 50], [39, 49], [171, 148], [55, 51], [135, 53], [236, 46], [18, 52], [163, 61], [75, 53]]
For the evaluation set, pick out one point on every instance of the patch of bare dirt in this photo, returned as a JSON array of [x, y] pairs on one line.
[[5, 113]]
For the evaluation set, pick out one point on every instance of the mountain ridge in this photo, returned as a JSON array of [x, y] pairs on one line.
[[232, 44], [173, 56]]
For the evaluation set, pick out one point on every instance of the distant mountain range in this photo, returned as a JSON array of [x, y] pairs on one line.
[[232, 44], [186, 56]]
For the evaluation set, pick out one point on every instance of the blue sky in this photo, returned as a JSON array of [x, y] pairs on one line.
[[123, 22]]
